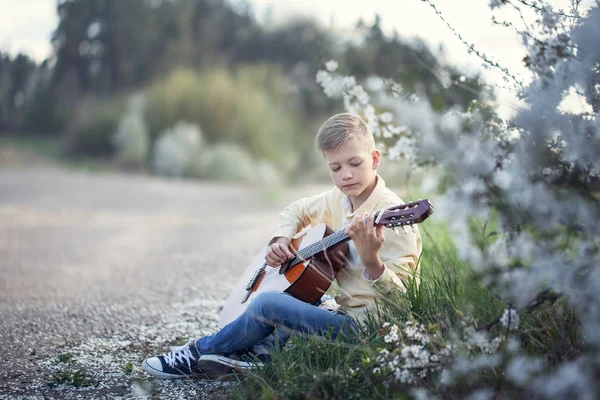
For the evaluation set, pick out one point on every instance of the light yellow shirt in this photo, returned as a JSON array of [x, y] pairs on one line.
[[399, 253]]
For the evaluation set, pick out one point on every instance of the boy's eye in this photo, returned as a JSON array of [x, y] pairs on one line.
[[335, 169], [356, 164]]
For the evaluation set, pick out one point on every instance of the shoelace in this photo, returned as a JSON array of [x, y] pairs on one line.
[[178, 354]]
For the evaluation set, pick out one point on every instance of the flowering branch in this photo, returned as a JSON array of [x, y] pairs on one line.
[[541, 297], [472, 48], [545, 8]]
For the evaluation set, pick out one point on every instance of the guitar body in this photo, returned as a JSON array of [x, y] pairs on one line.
[[306, 281]]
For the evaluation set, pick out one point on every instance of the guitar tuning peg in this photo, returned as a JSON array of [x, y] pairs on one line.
[[413, 228], [404, 229], [395, 229]]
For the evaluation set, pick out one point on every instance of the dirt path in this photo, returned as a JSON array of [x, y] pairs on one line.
[[99, 271]]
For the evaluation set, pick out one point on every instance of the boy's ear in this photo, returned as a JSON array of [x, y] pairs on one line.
[[376, 156]]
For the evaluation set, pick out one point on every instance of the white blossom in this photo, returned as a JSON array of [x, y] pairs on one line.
[[331, 65], [510, 319]]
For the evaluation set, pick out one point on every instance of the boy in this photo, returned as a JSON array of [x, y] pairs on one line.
[[374, 266]]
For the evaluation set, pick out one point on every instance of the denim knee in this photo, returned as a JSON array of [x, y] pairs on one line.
[[265, 302]]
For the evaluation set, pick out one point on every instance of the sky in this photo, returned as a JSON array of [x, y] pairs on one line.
[[26, 26]]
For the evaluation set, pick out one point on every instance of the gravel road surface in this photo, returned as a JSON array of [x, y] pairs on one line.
[[99, 271]]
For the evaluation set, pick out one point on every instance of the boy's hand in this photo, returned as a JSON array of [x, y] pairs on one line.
[[368, 239], [278, 252]]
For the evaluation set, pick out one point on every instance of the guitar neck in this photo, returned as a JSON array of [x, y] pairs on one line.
[[323, 244]]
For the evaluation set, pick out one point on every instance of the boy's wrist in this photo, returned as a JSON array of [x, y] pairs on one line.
[[280, 239], [375, 268]]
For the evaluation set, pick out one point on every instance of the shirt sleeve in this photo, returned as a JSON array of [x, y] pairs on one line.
[[302, 213], [400, 255]]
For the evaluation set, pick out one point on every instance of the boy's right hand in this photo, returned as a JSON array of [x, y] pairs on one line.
[[278, 252]]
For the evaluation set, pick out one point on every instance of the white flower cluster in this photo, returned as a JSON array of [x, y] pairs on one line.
[[481, 340], [176, 149], [411, 352], [358, 101]]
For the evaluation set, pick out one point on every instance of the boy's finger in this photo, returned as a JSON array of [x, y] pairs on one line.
[[372, 219], [281, 254], [285, 252], [349, 231], [379, 232], [289, 254], [367, 220], [270, 261], [363, 217]]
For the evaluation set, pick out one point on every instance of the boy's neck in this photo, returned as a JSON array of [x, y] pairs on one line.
[[359, 200]]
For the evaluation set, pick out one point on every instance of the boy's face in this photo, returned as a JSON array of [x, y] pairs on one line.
[[352, 167]]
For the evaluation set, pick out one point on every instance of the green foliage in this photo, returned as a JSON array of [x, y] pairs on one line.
[[45, 113], [64, 358], [311, 368], [247, 107], [128, 367], [93, 126], [76, 378], [69, 373]]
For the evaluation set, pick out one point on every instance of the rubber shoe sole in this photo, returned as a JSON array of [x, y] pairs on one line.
[[160, 374], [215, 365]]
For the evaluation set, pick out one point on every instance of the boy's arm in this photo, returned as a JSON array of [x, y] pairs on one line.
[[387, 260], [293, 218], [400, 256], [301, 213]]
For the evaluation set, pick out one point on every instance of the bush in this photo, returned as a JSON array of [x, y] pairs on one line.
[[45, 114], [93, 125], [247, 107], [227, 162], [177, 150], [131, 138]]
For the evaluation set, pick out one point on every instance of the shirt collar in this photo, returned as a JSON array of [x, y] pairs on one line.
[[369, 205]]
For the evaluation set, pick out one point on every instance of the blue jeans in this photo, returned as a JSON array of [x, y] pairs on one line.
[[270, 311]]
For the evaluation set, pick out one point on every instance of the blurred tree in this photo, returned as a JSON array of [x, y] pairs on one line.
[[108, 46], [17, 81], [412, 64]]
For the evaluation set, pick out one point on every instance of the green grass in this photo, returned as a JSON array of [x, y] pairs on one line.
[[315, 368], [47, 147], [28, 150]]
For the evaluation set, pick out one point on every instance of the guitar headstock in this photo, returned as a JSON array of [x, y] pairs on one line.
[[405, 214]]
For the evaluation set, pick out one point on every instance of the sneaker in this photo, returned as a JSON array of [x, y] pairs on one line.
[[218, 365], [181, 362]]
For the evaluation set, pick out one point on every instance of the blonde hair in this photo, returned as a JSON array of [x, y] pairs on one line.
[[341, 128]]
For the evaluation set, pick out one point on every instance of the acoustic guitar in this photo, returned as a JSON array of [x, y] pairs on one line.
[[310, 273]]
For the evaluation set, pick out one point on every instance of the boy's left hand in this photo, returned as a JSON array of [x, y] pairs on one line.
[[367, 238]]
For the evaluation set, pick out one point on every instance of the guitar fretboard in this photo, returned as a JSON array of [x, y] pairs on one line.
[[323, 244]]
